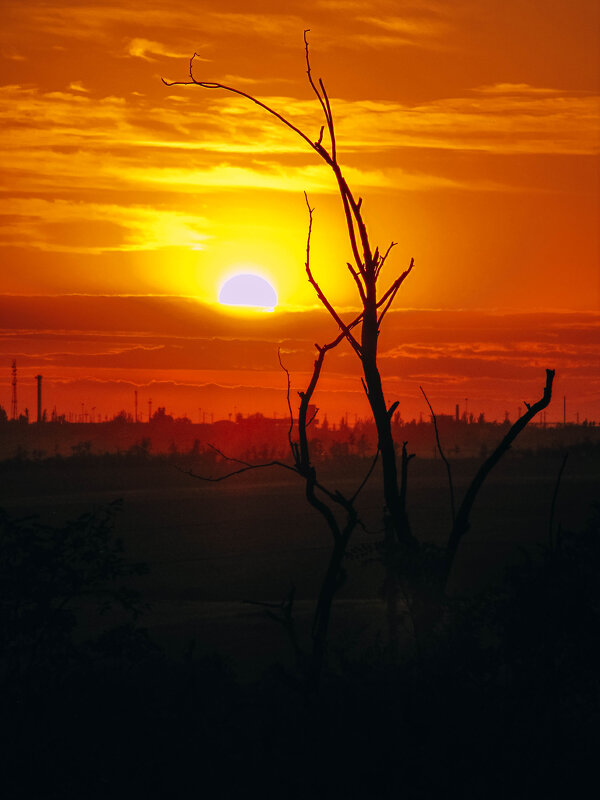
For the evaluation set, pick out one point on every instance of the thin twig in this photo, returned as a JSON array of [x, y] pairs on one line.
[[247, 468], [383, 259], [318, 289], [213, 85], [357, 280], [366, 478], [284, 368], [390, 294], [441, 452], [313, 85]]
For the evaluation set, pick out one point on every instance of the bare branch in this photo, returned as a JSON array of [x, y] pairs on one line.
[[392, 408], [281, 364], [383, 259], [316, 146], [318, 289], [441, 452], [352, 209], [405, 461], [366, 478], [357, 280], [313, 85], [247, 468], [461, 523], [329, 116], [392, 291]]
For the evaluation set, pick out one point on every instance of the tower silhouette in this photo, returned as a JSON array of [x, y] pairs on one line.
[[39, 397], [13, 402]]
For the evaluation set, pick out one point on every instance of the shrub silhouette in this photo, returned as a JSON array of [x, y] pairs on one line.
[[47, 575]]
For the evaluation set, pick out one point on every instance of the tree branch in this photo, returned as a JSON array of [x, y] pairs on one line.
[[321, 98], [443, 457], [318, 290], [316, 146], [293, 446], [366, 478], [390, 294], [247, 468], [383, 259], [461, 523]]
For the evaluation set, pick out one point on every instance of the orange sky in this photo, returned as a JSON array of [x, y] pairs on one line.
[[471, 129]]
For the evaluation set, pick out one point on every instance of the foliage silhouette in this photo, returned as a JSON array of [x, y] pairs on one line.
[[48, 575]]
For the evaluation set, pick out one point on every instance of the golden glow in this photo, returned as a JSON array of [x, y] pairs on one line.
[[482, 168]]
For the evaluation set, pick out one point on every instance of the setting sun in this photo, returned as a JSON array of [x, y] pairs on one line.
[[247, 290], [172, 219]]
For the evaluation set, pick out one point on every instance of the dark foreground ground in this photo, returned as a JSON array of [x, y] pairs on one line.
[[503, 704]]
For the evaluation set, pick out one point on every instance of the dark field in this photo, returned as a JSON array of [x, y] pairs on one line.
[[213, 549], [502, 702]]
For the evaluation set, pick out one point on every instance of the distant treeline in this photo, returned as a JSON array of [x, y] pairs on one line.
[[258, 438]]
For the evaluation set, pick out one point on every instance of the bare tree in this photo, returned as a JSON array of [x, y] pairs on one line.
[[424, 578], [366, 270]]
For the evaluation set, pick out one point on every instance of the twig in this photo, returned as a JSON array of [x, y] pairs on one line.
[[441, 452], [383, 259], [366, 478], [213, 85], [390, 294], [247, 468], [318, 289], [289, 404]]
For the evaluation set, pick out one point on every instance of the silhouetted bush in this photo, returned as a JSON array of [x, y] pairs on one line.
[[53, 580]]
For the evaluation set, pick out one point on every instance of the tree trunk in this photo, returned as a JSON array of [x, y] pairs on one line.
[[383, 423]]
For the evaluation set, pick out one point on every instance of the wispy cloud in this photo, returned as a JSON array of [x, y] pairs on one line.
[[148, 50], [499, 359], [390, 31], [515, 88], [77, 86], [80, 227]]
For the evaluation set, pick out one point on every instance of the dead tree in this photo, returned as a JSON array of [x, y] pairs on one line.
[[426, 574], [325, 501], [365, 271]]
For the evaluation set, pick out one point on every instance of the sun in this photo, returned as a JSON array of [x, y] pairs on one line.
[[250, 291]]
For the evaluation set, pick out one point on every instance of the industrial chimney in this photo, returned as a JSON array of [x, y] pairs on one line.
[[39, 388]]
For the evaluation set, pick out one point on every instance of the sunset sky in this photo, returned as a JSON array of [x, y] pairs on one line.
[[471, 130]]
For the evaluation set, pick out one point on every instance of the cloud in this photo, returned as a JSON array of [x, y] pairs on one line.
[[77, 86], [147, 49], [101, 21], [515, 88], [405, 30], [80, 227], [496, 360], [50, 140]]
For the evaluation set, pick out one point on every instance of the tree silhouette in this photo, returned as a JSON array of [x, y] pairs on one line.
[[366, 270], [421, 572]]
